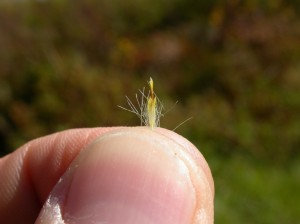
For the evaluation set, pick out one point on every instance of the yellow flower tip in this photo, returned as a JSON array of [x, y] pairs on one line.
[[151, 85]]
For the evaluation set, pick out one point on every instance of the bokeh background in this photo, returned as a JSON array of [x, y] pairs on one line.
[[233, 65]]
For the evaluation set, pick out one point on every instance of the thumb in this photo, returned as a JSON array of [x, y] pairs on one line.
[[133, 175]]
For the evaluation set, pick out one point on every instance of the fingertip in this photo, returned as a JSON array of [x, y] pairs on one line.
[[141, 175]]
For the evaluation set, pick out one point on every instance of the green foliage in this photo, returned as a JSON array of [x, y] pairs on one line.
[[233, 66], [269, 194]]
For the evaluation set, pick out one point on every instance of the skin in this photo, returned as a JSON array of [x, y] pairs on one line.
[[106, 175]]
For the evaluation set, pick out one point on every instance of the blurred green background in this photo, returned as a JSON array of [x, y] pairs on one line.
[[233, 65]]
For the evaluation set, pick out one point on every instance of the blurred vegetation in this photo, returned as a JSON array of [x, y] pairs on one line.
[[233, 65]]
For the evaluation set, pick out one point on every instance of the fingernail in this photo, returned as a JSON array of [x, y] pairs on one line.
[[126, 176]]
